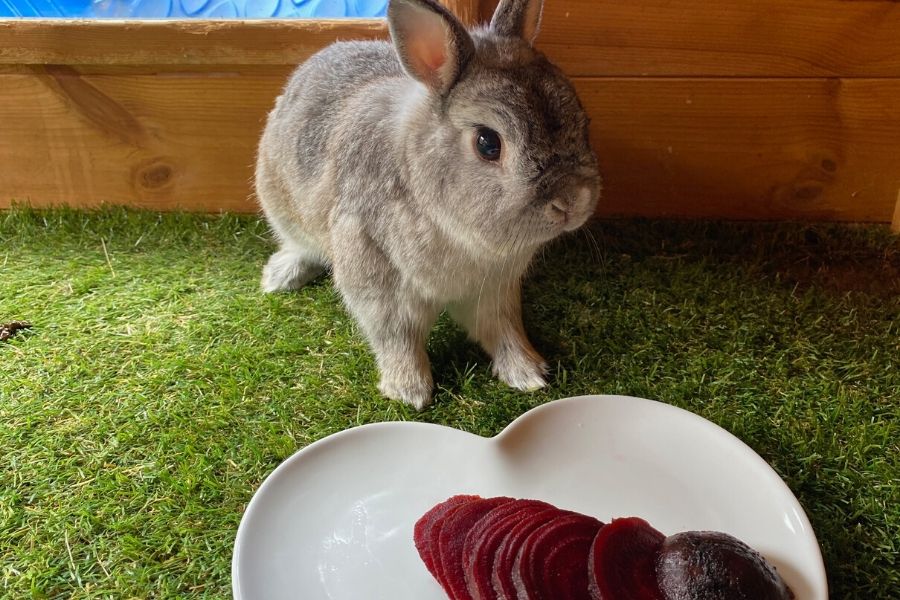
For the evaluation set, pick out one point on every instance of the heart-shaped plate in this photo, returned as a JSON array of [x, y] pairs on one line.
[[335, 520]]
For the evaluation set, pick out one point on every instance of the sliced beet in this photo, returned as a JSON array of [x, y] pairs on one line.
[[451, 539], [423, 533], [552, 562], [483, 540], [708, 565], [622, 564], [505, 557]]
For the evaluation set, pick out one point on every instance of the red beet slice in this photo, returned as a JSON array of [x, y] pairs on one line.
[[423, 533], [622, 564], [505, 557], [552, 562], [451, 539], [483, 540]]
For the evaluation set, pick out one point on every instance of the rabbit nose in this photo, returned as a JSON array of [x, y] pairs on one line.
[[581, 207], [572, 209], [560, 207], [558, 211]]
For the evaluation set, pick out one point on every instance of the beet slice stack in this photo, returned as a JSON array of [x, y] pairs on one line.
[[485, 538], [622, 562], [423, 533], [451, 537], [504, 549], [552, 561], [505, 557]]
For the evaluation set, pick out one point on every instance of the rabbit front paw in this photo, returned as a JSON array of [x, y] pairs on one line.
[[521, 371], [289, 270], [416, 393]]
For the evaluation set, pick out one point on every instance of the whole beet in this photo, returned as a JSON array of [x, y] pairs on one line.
[[709, 565]]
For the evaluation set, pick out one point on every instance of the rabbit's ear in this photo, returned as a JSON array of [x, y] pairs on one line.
[[518, 18], [433, 46]]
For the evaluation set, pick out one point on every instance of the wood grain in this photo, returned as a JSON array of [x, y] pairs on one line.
[[191, 42], [154, 141], [760, 38], [591, 38], [895, 222], [729, 148], [748, 148], [468, 11]]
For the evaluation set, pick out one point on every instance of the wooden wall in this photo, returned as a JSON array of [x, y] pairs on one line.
[[772, 109]]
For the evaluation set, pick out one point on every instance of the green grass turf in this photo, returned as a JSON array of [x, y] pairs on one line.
[[158, 387]]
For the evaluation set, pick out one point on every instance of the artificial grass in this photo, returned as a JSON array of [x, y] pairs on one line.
[[158, 386]]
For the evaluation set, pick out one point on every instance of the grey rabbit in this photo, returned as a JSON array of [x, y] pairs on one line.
[[425, 174]]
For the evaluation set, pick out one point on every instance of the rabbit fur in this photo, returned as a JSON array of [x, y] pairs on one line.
[[368, 167]]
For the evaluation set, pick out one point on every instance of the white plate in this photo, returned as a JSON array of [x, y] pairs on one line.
[[335, 520]]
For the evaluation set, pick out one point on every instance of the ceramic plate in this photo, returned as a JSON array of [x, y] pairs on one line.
[[335, 520]]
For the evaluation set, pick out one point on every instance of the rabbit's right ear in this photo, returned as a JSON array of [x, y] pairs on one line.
[[432, 45], [518, 18]]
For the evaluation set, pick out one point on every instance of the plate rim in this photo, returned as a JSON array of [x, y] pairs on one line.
[[530, 414]]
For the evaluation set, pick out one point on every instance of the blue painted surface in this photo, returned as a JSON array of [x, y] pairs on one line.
[[183, 9]]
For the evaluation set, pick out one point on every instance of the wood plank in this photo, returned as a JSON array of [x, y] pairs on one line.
[[173, 42], [153, 141], [747, 148], [823, 149], [895, 222], [468, 11], [185, 42], [762, 38]]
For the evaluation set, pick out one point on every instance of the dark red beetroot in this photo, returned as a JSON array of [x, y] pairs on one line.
[[502, 578], [423, 533], [708, 565], [622, 563], [552, 561], [485, 538], [451, 538]]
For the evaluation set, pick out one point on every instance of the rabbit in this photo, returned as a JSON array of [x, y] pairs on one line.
[[425, 173]]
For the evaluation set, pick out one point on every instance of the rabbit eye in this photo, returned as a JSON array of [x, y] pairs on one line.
[[487, 143]]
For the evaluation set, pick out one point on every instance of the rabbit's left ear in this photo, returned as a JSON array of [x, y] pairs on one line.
[[432, 44], [518, 18]]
